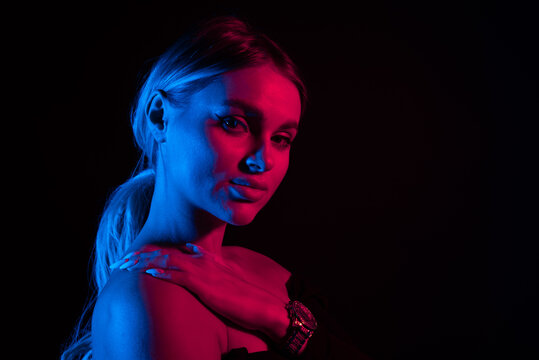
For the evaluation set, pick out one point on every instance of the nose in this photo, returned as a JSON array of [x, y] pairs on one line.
[[260, 161]]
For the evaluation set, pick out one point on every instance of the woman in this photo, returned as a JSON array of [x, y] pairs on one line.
[[214, 119]]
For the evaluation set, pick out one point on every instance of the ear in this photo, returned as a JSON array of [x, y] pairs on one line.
[[156, 112]]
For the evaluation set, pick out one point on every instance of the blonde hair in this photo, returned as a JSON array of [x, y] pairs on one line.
[[219, 45]]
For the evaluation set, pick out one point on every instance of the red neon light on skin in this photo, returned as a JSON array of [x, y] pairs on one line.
[[265, 107], [184, 313]]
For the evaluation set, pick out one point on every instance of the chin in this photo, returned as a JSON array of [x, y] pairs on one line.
[[241, 220], [242, 214]]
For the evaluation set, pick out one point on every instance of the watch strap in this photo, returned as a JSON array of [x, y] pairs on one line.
[[297, 334], [297, 338]]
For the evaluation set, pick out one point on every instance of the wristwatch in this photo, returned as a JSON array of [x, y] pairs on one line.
[[302, 326]]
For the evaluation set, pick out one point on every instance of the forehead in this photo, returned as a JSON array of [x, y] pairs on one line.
[[262, 88]]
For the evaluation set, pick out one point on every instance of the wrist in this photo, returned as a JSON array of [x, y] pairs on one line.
[[277, 322]]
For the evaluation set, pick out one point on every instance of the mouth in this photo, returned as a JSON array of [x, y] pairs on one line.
[[244, 190], [249, 183]]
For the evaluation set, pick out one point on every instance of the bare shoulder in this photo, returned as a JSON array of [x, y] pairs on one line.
[[119, 317], [139, 317]]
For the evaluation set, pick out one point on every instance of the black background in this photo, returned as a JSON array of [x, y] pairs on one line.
[[407, 199]]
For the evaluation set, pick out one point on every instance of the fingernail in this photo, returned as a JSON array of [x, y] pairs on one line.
[[128, 264], [117, 263], [193, 248], [155, 272], [133, 253], [132, 266]]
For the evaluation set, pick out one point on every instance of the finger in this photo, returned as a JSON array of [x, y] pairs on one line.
[[142, 254], [131, 254], [194, 248], [125, 259], [129, 264], [155, 272], [118, 263], [163, 261], [188, 248], [173, 276], [173, 259], [137, 258]]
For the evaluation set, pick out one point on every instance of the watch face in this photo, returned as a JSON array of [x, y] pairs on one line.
[[304, 315]]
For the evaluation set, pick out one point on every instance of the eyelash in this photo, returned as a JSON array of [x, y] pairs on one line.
[[224, 121], [287, 141], [231, 128]]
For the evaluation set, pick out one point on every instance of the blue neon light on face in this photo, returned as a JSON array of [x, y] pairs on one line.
[[228, 150]]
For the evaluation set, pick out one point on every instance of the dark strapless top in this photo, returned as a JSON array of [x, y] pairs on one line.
[[328, 342]]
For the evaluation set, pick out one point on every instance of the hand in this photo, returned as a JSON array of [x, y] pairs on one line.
[[218, 286]]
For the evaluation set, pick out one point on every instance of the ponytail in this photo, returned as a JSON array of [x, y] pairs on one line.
[[121, 221]]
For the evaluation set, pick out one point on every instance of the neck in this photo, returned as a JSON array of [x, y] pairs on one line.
[[173, 220], [200, 231]]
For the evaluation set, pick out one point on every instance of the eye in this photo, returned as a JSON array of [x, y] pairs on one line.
[[233, 124], [282, 141]]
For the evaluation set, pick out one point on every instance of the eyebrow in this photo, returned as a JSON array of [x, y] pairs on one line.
[[244, 105], [289, 125], [253, 111]]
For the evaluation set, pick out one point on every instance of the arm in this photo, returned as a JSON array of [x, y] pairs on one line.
[[245, 304], [139, 317]]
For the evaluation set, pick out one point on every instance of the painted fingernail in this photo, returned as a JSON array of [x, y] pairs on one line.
[[117, 263], [128, 264], [155, 272], [133, 253], [193, 248], [132, 266]]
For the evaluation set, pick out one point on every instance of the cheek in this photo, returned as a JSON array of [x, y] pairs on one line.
[[190, 160], [228, 152]]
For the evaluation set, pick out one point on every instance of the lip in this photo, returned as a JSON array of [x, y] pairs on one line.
[[255, 184], [247, 190]]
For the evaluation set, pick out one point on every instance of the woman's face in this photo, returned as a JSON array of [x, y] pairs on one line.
[[228, 150]]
